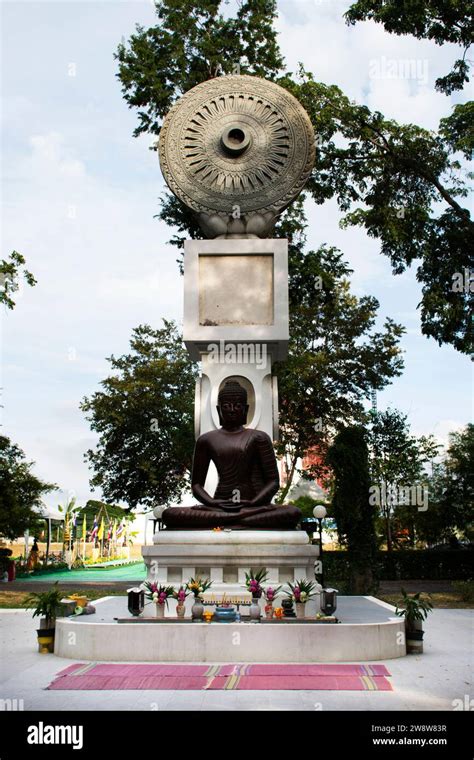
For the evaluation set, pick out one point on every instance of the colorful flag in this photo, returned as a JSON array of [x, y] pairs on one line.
[[84, 528], [94, 530], [100, 534], [67, 531], [119, 530]]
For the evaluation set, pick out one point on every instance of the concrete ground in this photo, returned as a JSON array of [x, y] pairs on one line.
[[431, 681]]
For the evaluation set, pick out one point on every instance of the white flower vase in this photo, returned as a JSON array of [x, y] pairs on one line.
[[197, 609], [255, 611], [160, 610], [300, 609]]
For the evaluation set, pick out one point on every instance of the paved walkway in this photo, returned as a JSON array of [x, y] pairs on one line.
[[427, 682]]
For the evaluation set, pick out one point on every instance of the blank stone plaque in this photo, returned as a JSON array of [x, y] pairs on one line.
[[236, 289]]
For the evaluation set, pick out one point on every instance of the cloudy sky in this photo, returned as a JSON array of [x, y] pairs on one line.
[[79, 195]]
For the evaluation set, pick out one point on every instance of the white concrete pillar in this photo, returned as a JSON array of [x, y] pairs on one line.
[[300, 572], [217, 574], [272, 575], [188, 572]]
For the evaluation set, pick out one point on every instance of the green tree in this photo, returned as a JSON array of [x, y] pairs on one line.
[[451, 487], [348, 457], [144, 419], [93, 507], [193, 42], [21, 492], [11, 271], [439, 20], [397, 463], [400, 182], [336, 357]]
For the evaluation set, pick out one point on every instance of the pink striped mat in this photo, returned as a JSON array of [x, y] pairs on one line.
[[114, 676]]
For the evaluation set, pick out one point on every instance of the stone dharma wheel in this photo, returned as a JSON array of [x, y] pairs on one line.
[[237, 150]]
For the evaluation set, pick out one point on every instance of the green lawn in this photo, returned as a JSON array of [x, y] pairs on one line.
[[447, 600], [17, 599], [134, 572]]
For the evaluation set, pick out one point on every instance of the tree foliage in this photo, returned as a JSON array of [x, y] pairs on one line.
[[144, 419], [11, 271], [402, 184], [21, 492], [438, 20], [397, 463], [193, 42], [451, 493], [348, 457], [336, 356]]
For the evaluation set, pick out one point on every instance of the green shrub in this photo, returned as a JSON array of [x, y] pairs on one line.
[[407, 564], [465, 589]]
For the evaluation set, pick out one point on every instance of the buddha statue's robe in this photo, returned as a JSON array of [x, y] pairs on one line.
[[247, 481]]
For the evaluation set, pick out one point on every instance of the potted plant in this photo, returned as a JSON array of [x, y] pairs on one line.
[[46, 604], [301, 592], [159, 595], [198, 586], [415, 609]]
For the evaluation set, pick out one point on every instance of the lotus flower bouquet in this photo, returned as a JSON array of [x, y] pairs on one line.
[[181, 594], [271, 593], [198, 586], [157, 593], [301, 591], [254, 581], [270, 596]]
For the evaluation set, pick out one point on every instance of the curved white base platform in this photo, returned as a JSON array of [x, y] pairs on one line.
[[105, 639]]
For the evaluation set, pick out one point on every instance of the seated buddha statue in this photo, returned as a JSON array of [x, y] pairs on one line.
[[247, 472]]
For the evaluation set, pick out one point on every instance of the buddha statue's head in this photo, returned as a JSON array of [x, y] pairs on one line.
[[232, 406]]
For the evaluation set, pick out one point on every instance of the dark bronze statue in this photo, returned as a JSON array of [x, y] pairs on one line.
[[248, 476]]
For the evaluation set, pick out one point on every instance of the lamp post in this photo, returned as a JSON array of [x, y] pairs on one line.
[[320, 513]]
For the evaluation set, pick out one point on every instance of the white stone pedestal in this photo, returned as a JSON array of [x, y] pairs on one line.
[[236, 323], [225, 556]]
